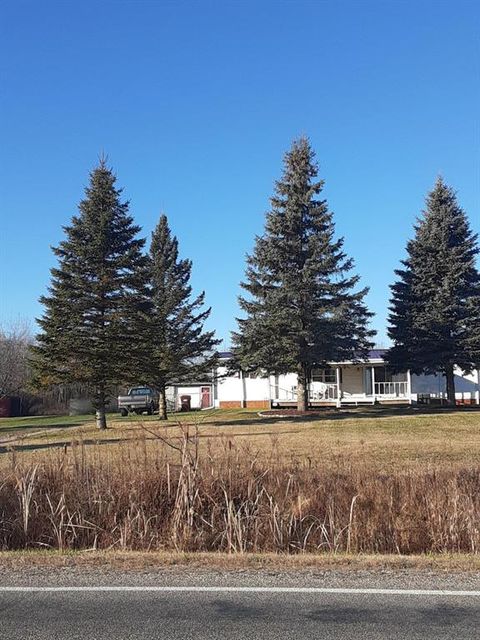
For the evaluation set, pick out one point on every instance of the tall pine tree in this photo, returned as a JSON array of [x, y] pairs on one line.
[[302, 310], [179, 347], [97, 297], [435, 304]]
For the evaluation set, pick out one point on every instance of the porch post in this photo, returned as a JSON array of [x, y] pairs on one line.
[[409, 386], [276, 386], [339, 393], [478, 386], [373, 385], [243, 390]]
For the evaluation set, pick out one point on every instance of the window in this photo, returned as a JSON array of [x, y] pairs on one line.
[[329, 375], [140, 391], [383, 374]]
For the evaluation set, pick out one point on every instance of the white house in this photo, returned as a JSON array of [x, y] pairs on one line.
[[340, 384], [194, 395]]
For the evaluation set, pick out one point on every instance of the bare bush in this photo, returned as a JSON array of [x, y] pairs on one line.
[[14, 354]]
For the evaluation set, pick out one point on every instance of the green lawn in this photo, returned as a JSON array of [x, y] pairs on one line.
[[51, 421], [27, 424], [381, 437]]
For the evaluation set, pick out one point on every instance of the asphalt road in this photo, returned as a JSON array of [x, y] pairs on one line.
[[235, 614]]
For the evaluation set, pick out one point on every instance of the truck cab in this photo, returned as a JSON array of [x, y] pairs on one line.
[[138, 400]]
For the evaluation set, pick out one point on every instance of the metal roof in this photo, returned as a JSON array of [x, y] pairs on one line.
[[225, 355], [373, 354]]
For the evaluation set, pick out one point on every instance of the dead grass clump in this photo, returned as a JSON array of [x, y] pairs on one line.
[[230, 500]]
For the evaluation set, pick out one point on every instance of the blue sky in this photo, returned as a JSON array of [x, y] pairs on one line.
[[195, 104]]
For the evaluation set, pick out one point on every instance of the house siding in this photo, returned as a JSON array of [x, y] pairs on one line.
[[352, 380]]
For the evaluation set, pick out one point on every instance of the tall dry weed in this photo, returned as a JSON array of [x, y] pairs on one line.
[[172, 495]]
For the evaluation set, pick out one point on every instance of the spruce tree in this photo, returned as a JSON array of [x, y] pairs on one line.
[[435, 304], [302, 310], [180, 350], [96, 299]]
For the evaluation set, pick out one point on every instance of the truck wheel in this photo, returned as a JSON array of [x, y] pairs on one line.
[[123, 412]]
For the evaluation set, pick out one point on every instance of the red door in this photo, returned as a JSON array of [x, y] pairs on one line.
[[206, 397]]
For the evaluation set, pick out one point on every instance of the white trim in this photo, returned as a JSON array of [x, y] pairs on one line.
[[359, 362], [339, 391], [243, 390], [208, 589]]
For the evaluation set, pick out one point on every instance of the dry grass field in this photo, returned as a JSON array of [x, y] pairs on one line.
[[371, 480], [385, 439]]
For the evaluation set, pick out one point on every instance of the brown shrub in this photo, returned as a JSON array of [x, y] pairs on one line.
[[139, 499]]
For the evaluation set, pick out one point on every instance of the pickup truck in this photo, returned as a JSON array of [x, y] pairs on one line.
[[138, 400]]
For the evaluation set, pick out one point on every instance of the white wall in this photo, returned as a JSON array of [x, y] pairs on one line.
[[257, 388], [194, 391], [195, 395], [228, 388], [466, 385], [234, 388]]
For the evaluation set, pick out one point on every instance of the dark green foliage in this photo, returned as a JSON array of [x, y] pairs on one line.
[[97, 297], [435, 304], [179, 348], [303, 310]]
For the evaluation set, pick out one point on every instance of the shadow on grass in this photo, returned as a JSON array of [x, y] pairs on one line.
[[39, 427], [351, 413], [61, 444], [317, 415], [64, 444]]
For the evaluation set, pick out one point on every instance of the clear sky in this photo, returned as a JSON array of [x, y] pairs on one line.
[[195, 104]]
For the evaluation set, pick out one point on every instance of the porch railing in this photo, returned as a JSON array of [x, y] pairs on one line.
[[392, 389], [278, 393], [325, 392]]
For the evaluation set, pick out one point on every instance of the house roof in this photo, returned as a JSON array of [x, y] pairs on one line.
[[377, 354], [373, 354]]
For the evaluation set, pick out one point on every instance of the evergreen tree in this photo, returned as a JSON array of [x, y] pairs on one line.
[[303, 310], [435, 303], [179, 348], [97, 297]]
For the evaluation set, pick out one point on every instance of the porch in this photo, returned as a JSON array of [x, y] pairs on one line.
[[348, 384]]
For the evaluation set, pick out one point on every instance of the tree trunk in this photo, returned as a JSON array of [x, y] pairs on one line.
[[162, 403], [101, 418], [100, 415], [302, 389], [450, 378]]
